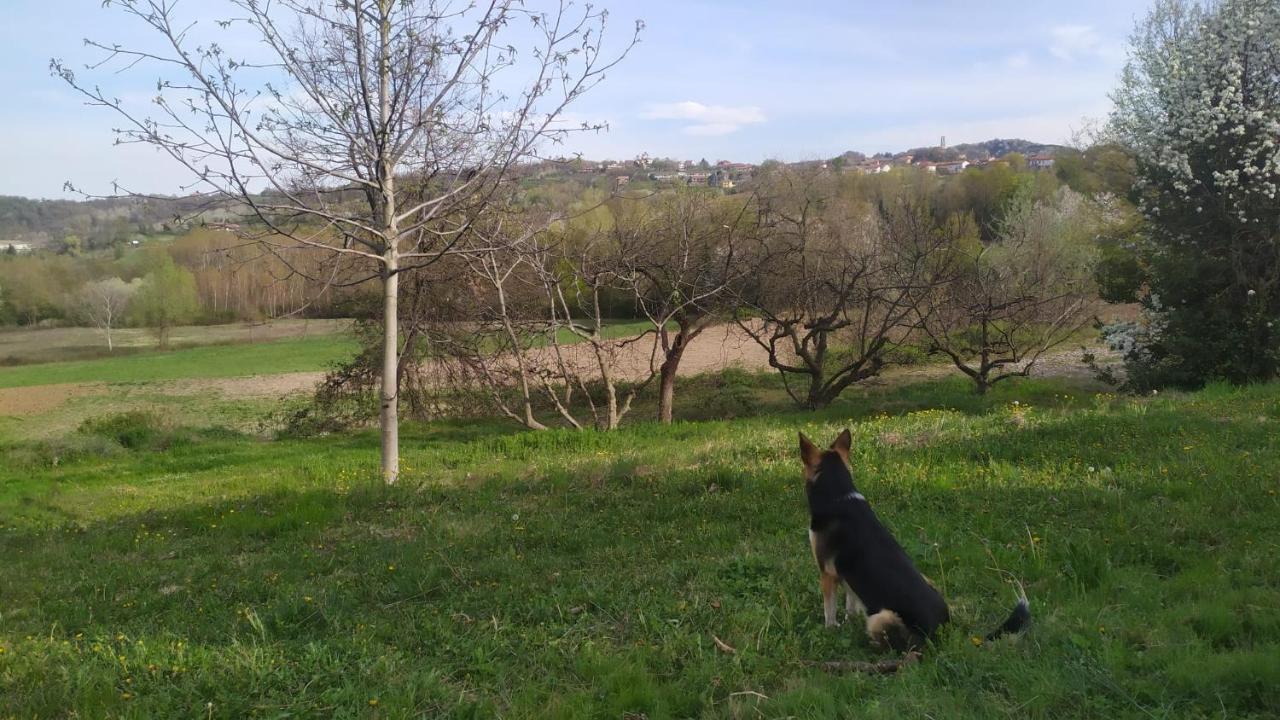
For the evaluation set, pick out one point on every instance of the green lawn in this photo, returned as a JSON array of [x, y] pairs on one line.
[[209, 361], [584, 575]]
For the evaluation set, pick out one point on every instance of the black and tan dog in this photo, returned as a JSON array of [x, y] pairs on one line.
[[853, 549]]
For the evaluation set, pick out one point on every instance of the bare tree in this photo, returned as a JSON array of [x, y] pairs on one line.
[[505, 322], [681, 253], [104, 303], [541, 339], [1015, 299], [375, 131], [835, 281]]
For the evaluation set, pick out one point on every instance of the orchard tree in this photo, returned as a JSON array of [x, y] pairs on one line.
[[1012, 300], [833, 283], [375, 132], [536, 333], [1199, 107], [681, 259]]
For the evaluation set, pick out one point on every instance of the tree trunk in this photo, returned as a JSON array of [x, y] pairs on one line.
[[817, 397], [667, 386], [390, 416], [110, 347]]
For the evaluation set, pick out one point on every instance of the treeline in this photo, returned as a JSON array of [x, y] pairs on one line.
[[204, 276], [72, 226]]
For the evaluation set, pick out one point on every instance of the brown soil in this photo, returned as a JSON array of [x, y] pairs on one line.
[[716, 348], [255, 386], [23, 401], [729, 346]]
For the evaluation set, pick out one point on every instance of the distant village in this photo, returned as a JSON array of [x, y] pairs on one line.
[[726, 174]]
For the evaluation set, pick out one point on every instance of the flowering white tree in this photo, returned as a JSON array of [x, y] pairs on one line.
[[104, 302], [1199, 106]]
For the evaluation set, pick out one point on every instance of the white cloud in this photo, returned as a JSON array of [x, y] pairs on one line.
[[1070, 42], [1018, 61], [708, 120], [710, 129]]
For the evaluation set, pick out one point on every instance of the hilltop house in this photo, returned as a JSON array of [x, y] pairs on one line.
[[870, 167], [1040, 162], [720, 178]]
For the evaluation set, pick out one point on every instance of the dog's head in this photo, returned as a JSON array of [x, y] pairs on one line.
[[826, 470]]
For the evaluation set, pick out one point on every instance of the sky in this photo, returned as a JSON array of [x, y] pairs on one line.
[[742, 80]]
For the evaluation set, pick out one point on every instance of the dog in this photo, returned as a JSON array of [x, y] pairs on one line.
[[903, 609]]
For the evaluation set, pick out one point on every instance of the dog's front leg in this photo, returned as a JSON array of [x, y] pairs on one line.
[[830, 583]]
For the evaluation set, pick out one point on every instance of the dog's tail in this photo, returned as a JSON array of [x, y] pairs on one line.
[[1017, 621]]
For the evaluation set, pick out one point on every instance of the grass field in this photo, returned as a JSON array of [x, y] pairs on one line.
[[212, 352], [24, 346], [559, 574], [206, 361]]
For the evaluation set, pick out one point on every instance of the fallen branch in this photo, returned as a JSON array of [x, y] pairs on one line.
[[724, 647]]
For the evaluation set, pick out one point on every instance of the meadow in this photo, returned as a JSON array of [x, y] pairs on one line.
[[24, 346], [161, 570], [202, 361]]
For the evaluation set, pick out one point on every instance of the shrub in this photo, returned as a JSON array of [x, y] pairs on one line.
[[134, 430], [52, 453], [734, 395]]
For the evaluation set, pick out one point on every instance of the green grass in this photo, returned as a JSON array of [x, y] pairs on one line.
[[612, 330], [210, 361], [561, 574]]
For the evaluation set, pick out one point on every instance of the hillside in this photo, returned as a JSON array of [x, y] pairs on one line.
[[97, 223], [996, 147], [102, 223]]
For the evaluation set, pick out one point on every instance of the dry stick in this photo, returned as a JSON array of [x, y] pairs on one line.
[[880, 667], [724, 647]]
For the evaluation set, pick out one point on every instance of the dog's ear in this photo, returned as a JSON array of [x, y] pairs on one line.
[[809, 453], [842, 444]]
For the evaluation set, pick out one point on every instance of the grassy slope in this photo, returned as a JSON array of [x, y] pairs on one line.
[[583, 575], [213, 361]]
